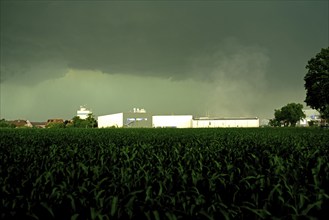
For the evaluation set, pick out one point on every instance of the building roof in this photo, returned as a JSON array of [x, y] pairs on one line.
[[225, 118], [18, 122], [54, 120], [38, 124]]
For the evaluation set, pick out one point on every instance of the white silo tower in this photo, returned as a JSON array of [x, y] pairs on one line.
[[83, 112]]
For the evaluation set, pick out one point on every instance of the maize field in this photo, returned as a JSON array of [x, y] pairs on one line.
[[235, 173]]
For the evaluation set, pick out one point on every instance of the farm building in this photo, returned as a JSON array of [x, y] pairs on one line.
[[173, 121], [54, 120], [215, 122], [21, 123], [39, 124], [136, 119]]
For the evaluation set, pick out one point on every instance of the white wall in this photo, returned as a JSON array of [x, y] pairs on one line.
[[225, 123], [177, 121], [83, 112], [181, 121], [311, 115], [110, 120]]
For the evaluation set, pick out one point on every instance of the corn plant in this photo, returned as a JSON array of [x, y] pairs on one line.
[[164, 173]]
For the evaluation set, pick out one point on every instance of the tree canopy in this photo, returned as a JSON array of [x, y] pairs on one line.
[[5, 124], [55, 125], [89, 122], [76, 122], [288, 115], [317, 82]]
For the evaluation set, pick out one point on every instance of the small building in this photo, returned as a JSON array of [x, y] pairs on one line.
[[54, 120], [312, 117], [138, 118], [39, 124], [83, 112], [21, 123], [172, 121], [216, 122]]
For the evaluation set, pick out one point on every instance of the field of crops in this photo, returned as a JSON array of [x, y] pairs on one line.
[[164, 173]]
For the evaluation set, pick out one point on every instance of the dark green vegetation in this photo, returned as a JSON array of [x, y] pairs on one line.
[[164, 173], [317, 82], [89, 122], [76, 122], [5, 124], [288, 115]]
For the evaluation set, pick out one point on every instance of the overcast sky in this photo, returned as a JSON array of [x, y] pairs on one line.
[[217, 58]]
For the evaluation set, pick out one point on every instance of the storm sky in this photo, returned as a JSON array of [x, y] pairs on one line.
[[216, 58]]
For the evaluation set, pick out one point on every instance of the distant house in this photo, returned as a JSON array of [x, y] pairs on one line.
[[21, 123], [68, 122], [39, 124], [54, 120], [311, 117]]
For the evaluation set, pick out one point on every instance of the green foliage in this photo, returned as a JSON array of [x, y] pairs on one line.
[[317, 82], [274, 123], [55, 125], [314, 123], [92, 122], [89, 122], [164, 173], [288, 115], [5, 124]]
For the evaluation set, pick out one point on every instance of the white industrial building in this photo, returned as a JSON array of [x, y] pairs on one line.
[[83, 112], [215, 122], [137, 118], [172, 121]]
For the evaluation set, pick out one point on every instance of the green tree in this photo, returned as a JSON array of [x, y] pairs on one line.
[[76, 122], [5, 124], [89, 122], [288, 115], [92, 122], [274, 123], [55, 125], [317, 83]]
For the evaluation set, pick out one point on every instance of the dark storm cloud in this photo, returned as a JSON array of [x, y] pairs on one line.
[[224, 58], [165, 39]]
